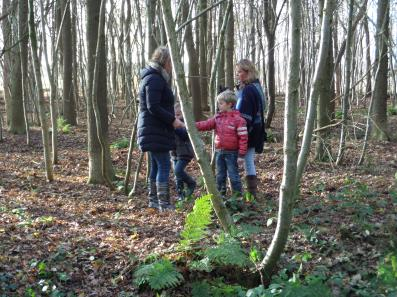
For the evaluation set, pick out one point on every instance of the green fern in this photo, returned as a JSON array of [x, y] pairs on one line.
[[201, 265], [120, 143], [158, 275], [217, 288], [197, 221], [228, 252], [63, 126]]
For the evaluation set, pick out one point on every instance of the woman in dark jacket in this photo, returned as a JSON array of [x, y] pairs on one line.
[[156, 124], [251, 104]]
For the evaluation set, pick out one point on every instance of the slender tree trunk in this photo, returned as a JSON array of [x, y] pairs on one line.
[[150, 27], [289, 184], [39, 86], [12, 71], [194, 80], [203, 55], [69, 105], [346, 95], [23, 33], [97, 150], [229, 53], [378, 124], [315, 89], [199, 148]]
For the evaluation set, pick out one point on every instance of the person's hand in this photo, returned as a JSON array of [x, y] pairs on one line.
[[177, 123]]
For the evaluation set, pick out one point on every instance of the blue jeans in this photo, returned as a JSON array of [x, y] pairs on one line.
[[181, 177], [226, 165], [249, 162], [160, 166]]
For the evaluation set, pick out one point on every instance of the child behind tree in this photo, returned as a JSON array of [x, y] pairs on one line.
[[181, 158], [231, 138]]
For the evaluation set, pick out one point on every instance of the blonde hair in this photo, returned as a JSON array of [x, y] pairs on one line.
[[161, 55], [227, 96], [249, 67]]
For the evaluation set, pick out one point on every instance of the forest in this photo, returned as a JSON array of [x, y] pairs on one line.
[[74, 183]]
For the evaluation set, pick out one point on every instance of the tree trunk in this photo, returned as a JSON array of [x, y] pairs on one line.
[[194, 80], [271, 82], [315, 89], [288, 186], [378, 125], [346, 95], [39, 87], [150, 27], [12, 72], [69, 105], [23, 33], [94, 146], [324, 113], [203, 55], [229, 52], [199, 148]]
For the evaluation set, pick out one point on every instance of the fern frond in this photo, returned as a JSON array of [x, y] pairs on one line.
[[197, 221], [202, 265], [158, 275], [228, 252]]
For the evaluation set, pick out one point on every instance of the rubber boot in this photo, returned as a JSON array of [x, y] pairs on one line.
[[153, 201], [163, 194], [191, 186], [179, 190], [252, 184]]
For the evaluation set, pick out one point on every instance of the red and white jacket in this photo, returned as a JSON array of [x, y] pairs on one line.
[[230, 131]]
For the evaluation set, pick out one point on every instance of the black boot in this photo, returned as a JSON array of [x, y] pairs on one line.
[[252, 184], [191, 186], [163, 195], [153, 200]]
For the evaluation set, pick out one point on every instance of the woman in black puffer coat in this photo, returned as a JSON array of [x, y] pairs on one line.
[[156, 124]]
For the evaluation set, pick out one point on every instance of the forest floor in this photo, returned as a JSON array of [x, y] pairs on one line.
[[74, 239]]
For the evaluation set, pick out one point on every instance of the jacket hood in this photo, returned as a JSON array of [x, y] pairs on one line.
[[147, 71]]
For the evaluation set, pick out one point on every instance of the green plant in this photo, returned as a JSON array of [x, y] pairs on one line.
[[197, 221], [158, 275], [338, 114], [392, 110], [216, 288], [387, 273], [63, 126], [228, 251], [120, 143]]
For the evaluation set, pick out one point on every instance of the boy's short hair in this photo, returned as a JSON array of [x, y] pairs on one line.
[[227, 96]]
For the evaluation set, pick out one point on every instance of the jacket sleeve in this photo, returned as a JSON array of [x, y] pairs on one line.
[[242, 135], [247, 106], [154, 92], [206, 125], [182, 134]]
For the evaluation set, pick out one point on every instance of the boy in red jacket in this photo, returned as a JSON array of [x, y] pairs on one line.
[[231, 139]]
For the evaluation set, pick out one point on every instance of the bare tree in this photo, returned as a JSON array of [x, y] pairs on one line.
[[39, 86]]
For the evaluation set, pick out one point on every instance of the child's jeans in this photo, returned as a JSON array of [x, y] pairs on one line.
[[181, 177], [226, 165]]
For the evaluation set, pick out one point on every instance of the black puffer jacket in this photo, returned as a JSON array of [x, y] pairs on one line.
[[184, 149], [156, 113]]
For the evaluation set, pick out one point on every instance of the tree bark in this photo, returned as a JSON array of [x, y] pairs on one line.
[[378, 124], [39, 86], [194, 80], [345, 99], [69, 105], [96, 57], [315, 89], [229, 52], [288, 186]]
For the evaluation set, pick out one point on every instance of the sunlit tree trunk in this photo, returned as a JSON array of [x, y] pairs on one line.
[[229, 53], [96, 58], [39, 87], [199, 148], [346, 96], [203, 21], [289, 182]]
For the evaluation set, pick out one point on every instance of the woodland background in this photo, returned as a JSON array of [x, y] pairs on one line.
[[324, 223]]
